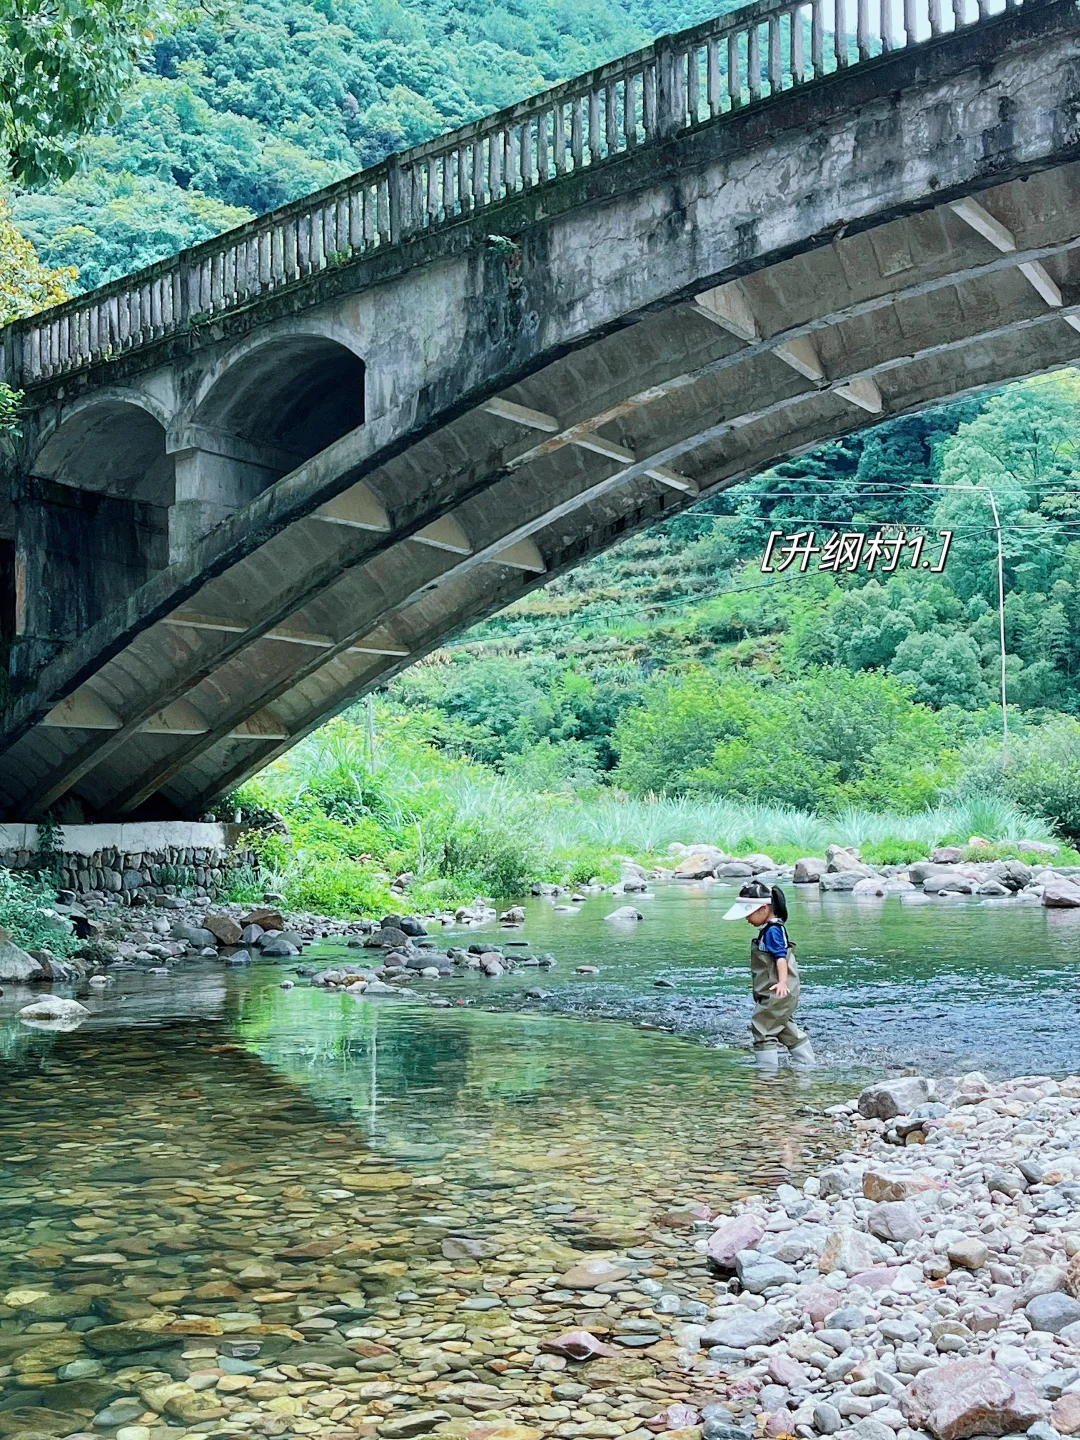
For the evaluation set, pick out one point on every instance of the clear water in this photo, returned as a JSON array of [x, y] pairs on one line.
[[157, 1161]]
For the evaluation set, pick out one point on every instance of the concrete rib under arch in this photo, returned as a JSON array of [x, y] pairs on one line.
[[680, 319]]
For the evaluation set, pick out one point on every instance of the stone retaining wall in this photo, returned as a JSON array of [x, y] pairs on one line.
[[126, 862]]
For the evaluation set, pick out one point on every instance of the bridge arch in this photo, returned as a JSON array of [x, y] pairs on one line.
[[103, 484], [297, 390]]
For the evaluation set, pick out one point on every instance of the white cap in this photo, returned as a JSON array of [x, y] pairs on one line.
[[744, 907]]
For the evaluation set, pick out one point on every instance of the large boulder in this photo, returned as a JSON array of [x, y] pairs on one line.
[[881, 1185], [841, 857], [947, 855], [1013, 874], [196, 935], [224, 928], [1061, 894], [389, 937], [895, 1097], [698, 863], [843, 880], [16, 965], [758, 1273], [809, 870], [895, 1220], [970, 1397], [53, 1007]]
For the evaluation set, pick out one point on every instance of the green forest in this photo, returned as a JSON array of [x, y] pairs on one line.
[[668, 690], [231, 116]]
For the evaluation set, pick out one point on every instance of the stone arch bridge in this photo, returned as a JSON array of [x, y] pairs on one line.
[[258, 479]]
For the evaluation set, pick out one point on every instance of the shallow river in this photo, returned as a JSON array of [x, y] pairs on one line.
[[440, 1168]]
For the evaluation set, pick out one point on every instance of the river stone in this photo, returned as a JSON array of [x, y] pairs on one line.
[[1052, 1312], [809, 870], [455, 1248], [38, 1419], [225, 928], [758, 1273], [894, 1220], [741, 1233], [16, 964], [895, 1097], [1065, 1415], [1061, 894], [827, 1419], [587, 1274], [192, 1407], [196, 935], [53, 1007], [625, 912], [126, 1338], [843, 880], [881, 1185], [971, 1397], [849, 1250], [741, 1328], [417, 1422], [128, 1407], [968, 1254], [388, 938], [277, 946]]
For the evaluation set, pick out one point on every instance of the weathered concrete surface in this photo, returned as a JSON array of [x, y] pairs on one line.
[[861, 294]]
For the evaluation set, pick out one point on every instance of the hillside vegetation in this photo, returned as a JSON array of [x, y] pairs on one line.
[[230, 119]]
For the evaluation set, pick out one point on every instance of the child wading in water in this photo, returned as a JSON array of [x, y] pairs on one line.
[[774, 975]]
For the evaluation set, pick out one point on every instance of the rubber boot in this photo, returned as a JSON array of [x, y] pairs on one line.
[[768, 1059], [802, 1056]]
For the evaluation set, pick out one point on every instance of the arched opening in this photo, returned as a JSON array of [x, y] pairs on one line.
[[297, 394], [98, 525]]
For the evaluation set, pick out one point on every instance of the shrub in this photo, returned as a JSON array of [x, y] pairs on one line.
[[27, 915]]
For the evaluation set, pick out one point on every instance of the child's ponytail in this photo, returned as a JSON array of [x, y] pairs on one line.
[[779, 904]]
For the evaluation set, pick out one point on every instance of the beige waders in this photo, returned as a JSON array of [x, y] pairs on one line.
[[772, 1023]]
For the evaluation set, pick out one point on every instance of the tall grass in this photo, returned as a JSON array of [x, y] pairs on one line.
[[651, 825]]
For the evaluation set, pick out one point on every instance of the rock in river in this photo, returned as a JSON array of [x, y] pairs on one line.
[[16, 964], [53, 1007], [895, 1097], [970, 1397], [1052, 1312], [743, 1328]]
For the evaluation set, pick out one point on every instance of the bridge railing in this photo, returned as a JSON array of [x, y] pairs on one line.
[[677, 84]]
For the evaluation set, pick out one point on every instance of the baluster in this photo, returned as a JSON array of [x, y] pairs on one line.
[[595, 153], [958, 13], [679, 66], [303, 245], [611, 120], [433, 190], [35, 353], [935, 17], [479, 196], [693, 85], [840, 44], [342, 243], [910, 35], [463, 194], [576, 133], [63, 348], [329, 233], [712, 78], [527, 153], [145, 311], [798, 54], [180, 286], [558, 138], [447, 167], [155, 307], [629, 102], [648, 100], [495, 157], [734, 73], [886, 27], [320, 253], [776, 63], [817, 37], [543, 156], [753, 61], [354, 224], [510, 159], [862, 28]]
